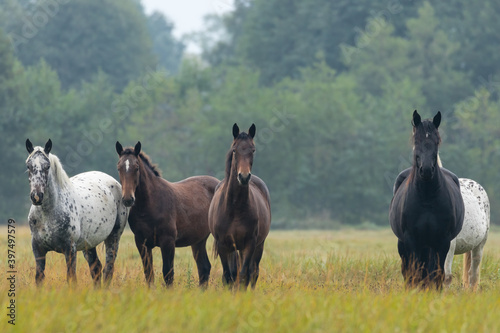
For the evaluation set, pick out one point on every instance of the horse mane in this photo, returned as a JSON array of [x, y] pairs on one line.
[[61, 177], [145, 159], [440, 164], [229, 162]]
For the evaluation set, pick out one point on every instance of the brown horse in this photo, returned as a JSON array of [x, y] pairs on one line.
[[165, 214], [240, 214]]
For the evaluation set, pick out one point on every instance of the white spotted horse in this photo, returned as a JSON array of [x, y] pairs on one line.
[[427, 210], [472, 238], [73, 214]]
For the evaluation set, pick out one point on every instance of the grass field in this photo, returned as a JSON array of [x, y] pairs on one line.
[[311, 281]]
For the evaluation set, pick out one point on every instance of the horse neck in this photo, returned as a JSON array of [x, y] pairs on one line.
[[147, 186], [236, 192], [428, 187], [52, 194]]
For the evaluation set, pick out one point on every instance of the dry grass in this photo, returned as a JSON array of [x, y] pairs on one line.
[[311, 281]]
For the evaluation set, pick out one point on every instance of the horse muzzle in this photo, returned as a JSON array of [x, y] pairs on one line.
[[36, 198], [128, 202], [244, 179], [427, 173]]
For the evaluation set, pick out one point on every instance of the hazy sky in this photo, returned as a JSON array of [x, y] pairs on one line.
[[187, 15]]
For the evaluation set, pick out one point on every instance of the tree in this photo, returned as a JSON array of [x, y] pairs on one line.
[[167, 49], [81, 37]]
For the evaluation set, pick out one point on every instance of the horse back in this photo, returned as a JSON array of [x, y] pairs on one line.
[[192, 201]]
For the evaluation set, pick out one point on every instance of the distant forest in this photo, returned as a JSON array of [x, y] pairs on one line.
[[330, 85]]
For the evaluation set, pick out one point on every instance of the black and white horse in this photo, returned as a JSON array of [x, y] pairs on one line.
[[73, 214]]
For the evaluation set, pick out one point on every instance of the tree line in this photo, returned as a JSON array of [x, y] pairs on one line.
[[330, 86]]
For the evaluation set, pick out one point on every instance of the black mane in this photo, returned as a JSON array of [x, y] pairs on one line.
[[145, 158]]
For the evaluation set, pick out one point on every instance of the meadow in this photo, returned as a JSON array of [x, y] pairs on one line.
[[310, 281]]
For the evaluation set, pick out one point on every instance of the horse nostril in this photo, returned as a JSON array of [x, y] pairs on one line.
[[36, 198], [244, 179], [128, 202]]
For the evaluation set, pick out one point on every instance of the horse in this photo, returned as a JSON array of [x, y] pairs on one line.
[[471, 240], [73, 214], [427, 210], [240, 214], [165, 214]]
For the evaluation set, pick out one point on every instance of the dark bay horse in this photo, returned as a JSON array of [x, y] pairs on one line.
[[427, 210], [240, 214], [165, 214]]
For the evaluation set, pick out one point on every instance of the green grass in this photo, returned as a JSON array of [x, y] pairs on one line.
[[311, 281]]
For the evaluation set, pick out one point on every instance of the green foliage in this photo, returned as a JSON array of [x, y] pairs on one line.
[[81, 37], [166, 48], [330, 87]]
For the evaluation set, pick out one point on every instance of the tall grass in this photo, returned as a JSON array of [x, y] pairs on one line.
[[311, 281]]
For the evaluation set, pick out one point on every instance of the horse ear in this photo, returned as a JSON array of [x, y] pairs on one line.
[[417, 120], [236, 131], [48, 147], [437, 120], [137, 148], [119, 148], [251, 131], [29, 146]]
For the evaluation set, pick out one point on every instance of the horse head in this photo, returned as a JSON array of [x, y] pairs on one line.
[[243, 150], [129, 170], [38, 165], [426, 140]]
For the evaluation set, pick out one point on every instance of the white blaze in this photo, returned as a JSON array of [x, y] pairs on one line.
[[127, 165]]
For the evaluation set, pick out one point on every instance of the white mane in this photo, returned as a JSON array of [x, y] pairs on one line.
[[440, 164], [60, 176]]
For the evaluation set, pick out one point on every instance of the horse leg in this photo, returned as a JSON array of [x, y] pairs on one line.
[[167, 254], [94, 265], [404, 261], [146, 254], [111, 243], [40, 254], [436, 264], [474, 273], [246, 256], [226, 258], [70, 254], [448, 263], [409, 262], [257, 256], [202, 262]]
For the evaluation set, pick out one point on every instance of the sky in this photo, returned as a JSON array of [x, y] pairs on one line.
[[187, 15]]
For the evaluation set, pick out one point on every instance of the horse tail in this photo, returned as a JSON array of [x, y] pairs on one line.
[[467, 264], [215, 248]]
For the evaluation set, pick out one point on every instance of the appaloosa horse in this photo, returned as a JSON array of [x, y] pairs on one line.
[[240, 214], [165, 214], [427, 210], [73, 214], [472, 238]]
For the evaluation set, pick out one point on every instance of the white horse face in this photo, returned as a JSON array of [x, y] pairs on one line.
[[38, 174]]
